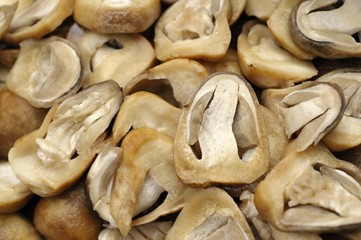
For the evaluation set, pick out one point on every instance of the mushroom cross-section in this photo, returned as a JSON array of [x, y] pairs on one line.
[[221, 135]]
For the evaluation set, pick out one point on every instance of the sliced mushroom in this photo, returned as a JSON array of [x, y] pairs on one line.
[[116, 16], [237, 7], [311, 191], [278, 23], [107, 56], [221, 138], [52, 158], [7, 12], [14, 194], [54, 72], [16, 226], [35, 19], [229, 63], [262, 9], [145, 174], [173, 80], [144, 109], [100, 179], [196, 29], [347, 134], [326, 27], [210, 214], [260, 58], [310, 109]]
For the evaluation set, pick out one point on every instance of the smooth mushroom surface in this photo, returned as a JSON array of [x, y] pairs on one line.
[[262, 9], [326, 27], [16, 226], [54, 157], [261, 58], [54, 74], [7, 12], [229, 63], [221, 137]]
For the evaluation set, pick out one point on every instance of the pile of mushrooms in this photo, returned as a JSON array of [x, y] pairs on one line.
[[180, 119]]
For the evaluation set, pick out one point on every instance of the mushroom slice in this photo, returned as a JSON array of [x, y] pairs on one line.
[[262, 9], [100, 179], [173, 80], [117, 16], [310, 109], [311, 191], [108, 56], [14, 194], [229, 63], [278, 23], [144, 109], [7, 12], [52, 158], [237, 7], [347, 134], [36, 18], [54, 72], [326, 27], [196, 29], [145, 177], [16, 226], [210, 214], [260, 58], [149, 231], [221, 138]]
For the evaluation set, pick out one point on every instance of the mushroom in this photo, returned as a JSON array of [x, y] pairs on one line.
[[8, 57], [237, 7], [196, 29], [221, 137], [311, 109], [16, 226], [145, 185], [106, 56], [173, 80], [347, 133], [325, 28], [7, 12], [260, 58], [35, 19], [14, 194], [116, 16], [311, 191], [51, 159], [262, 9], [210, 214], [54, 72], [144, 109]]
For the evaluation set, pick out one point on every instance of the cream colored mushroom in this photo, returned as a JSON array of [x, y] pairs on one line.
[[52, 158], [16, 226], [260, 58], [54, 72], [229, 63], [262, 9], [7, 12], [326, 27]]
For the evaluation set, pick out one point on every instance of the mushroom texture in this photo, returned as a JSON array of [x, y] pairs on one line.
[[116, 16], [347, 133], [52, 158], [16, 226], [145, 185], [196, 29], [326, 27], [310, 109], [262, 9], [54, 74], [36, 18], [221, 137], [210, 214], [7, 12], [311, 191], [260, 58]]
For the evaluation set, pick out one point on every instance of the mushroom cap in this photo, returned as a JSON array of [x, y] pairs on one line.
[[16, 226]]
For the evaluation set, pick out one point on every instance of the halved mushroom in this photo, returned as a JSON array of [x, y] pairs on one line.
[[117, 16], [144, 109], [150, 231], [326, 28], [34, 19], [221, 137], [278, 23], [173, 80], [311, 191], [237, 7], [145, 186], [311, 109], [52, 158], [229, 63], [7, 12], [347, 134], [260, 58], [210, 214], [262, 9], [111, 56], [16, 226], [196, 29], [54, 72], [14, 194]]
